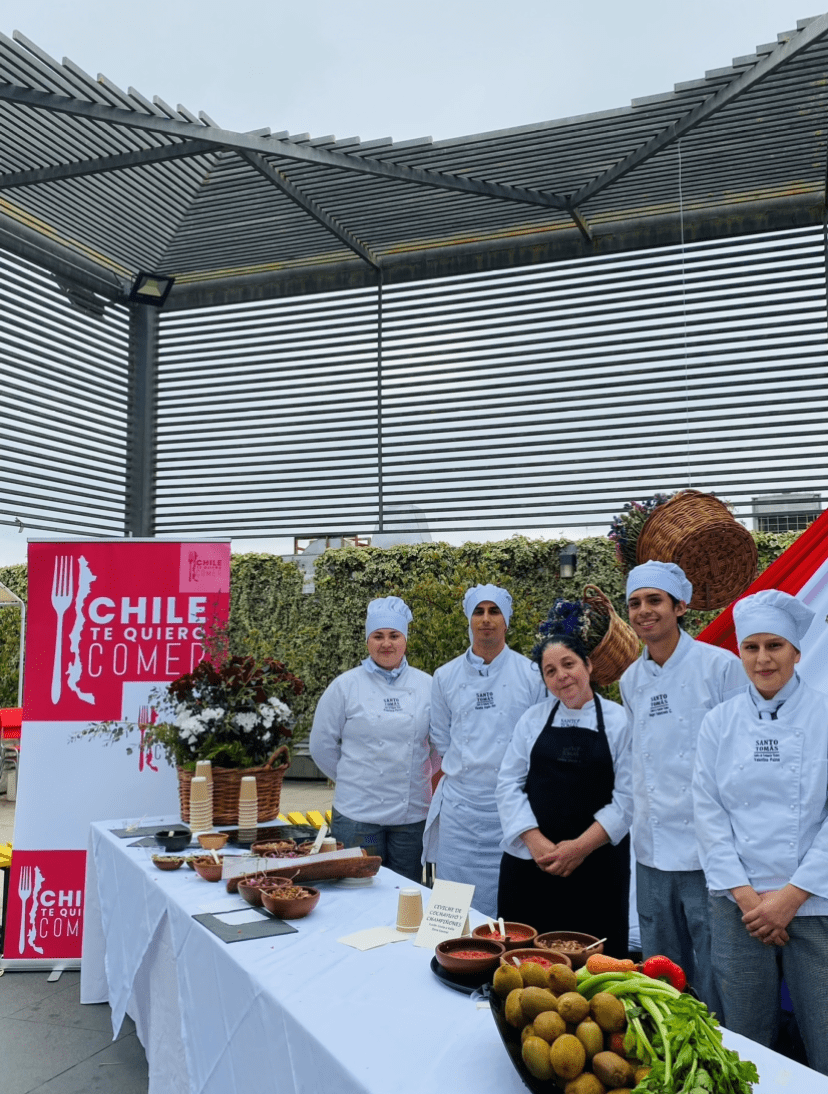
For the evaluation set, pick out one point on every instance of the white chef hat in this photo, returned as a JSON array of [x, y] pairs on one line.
[[772, 612], [388, 611], [666, 576], [478, 593]]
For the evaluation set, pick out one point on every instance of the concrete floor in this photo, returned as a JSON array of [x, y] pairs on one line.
[[50, 1044]]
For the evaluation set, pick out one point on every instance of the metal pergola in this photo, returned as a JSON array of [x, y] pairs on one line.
[[98, 183]]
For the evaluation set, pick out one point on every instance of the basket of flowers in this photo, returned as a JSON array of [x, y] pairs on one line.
[[610, 642], [236, 716]]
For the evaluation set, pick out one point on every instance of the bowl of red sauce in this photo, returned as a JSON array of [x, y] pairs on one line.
[[572, 943], [468, 956], [544, 958], [518, 935]]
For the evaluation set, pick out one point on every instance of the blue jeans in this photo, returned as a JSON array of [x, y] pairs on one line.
[[749, 976], [674, 920], [399, 845]]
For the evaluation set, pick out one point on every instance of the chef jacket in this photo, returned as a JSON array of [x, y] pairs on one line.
[[760, 791], [516, 815], [666, 705], [474, 709], [370, 735]]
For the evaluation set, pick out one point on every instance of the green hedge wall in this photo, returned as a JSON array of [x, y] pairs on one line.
[[321, 634]]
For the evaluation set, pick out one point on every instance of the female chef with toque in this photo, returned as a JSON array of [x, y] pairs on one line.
[[759, 791], [370, 736]]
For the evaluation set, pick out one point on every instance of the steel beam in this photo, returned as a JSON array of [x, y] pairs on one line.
[[247, 142], [77, 169], [143, 429], [743, 83], [308, 205]]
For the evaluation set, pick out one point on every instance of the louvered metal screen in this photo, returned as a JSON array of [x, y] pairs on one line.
[[539, 398], [64, 379]]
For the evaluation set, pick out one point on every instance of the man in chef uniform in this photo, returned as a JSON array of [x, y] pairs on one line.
[[476, 700], [667, 692]]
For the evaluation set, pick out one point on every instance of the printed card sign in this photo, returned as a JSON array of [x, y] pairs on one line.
[[108, 622], [446, 914]]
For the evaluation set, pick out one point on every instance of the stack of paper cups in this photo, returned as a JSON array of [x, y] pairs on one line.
[[248, 808], [205, 769], [409, 910], [201, 805]]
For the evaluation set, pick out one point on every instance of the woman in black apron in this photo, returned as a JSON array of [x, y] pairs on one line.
[[565, 802]]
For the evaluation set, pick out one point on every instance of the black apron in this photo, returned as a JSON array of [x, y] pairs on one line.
[[570, 778]]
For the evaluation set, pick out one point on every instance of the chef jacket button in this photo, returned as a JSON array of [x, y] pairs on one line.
[[791, 845], [687, 822], [741, 767], [683, 789], [746, 804], [793, 807]]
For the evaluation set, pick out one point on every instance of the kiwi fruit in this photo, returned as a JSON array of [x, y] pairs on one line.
[[567, 1056]]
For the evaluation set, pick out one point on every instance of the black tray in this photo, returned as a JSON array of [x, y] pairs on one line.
[[299, 832], [468, 985]]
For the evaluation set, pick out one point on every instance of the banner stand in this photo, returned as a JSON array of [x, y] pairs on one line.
[[109, 622]]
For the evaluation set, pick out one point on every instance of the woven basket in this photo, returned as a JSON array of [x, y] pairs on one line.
[[699, 533], [226, 787], [618, 648]]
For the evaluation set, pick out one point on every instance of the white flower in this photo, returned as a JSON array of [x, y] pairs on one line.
[[246, 721], [212, 714], [267, 714], [189, 725], [281, 709]]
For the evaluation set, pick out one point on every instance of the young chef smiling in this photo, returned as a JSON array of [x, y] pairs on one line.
[[667, 693], [370, 736], [476, 700], [760, 789]]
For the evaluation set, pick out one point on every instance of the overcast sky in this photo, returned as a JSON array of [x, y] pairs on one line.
[[387, 68]]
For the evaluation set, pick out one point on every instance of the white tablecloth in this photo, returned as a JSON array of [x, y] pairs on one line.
[[294, 1013]]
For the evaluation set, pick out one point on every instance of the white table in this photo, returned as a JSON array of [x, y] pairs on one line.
[[298, 1013]]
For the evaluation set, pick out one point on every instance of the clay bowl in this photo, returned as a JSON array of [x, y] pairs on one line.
[[207, 867], [574, 944], [251, 891], [212, 841], [518, 935], [532, 954], [167, 862], [173, 838], [290, 907], [445, 953]]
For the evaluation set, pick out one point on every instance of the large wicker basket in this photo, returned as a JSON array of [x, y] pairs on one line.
[[699, 533], [227, 784], [618, 648]]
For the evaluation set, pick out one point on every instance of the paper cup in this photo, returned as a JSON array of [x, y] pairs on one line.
[[247, 790], [409, 910]]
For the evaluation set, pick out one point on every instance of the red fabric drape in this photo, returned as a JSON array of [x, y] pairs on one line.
[[788, 573]]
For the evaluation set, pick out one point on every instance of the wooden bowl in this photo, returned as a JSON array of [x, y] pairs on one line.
[[446, 954], [251, 891], [577, 956], [167, 862], [540, 956], [207, 867], [212, 841], [518, 935], [296, 907]]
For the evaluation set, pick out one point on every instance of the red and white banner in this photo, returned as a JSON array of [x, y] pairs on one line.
[[802, 571], [108, 622]]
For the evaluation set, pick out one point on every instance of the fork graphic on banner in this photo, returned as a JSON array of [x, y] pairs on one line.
[[62, 591]]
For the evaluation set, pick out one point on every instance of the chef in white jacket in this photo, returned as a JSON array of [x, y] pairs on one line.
[[370, 736], [476, 701], [667, 693], [760, 789]]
